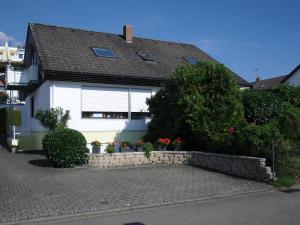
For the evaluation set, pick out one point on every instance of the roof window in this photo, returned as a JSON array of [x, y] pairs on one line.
[[191, 59], [145, 56], [104, 52]]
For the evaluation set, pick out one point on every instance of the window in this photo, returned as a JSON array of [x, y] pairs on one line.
[[105, 115], [114, 102], [20, 56], [191, 59], [145, 56], [32, 107], [104, 102], [104, 52]]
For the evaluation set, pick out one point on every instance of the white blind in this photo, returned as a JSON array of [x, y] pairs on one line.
[[104, 99], [138, 99]]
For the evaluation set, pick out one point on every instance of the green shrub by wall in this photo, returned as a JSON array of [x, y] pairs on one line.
[[5, 119], [65, 147]]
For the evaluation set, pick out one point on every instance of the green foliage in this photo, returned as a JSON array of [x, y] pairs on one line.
[[3, 67], [17, 64], [286, 181], [253, 140], [289, 123], [288, 94], [5, 119], [3, 97], [110, 149], [53, 118], [65, 147], [261, 106], [285, 164], [198, 103], [148, 148]]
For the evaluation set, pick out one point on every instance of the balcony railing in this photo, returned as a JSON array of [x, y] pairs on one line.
[[15, 77]]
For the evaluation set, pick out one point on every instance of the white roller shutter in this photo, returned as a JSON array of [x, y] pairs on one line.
[[104, 99], [138, 99]]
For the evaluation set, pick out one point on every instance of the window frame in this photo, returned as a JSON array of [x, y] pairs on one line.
[[113, 55]]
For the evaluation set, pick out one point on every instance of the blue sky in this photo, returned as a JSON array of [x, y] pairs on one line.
[[244, 35]]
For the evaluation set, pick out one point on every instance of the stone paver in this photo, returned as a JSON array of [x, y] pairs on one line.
[[29, 189]]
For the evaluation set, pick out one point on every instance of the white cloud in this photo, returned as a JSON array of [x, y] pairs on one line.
[[4, 37]]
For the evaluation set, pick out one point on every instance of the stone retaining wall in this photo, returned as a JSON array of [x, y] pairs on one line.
[[242, 166]]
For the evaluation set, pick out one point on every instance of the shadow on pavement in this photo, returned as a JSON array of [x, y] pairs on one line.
[[135, 223], [33, 152], [40, 162]]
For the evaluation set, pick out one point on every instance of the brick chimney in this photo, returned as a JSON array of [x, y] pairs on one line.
[[128, 33]]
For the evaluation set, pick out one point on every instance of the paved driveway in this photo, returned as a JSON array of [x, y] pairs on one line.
[[30, 189]]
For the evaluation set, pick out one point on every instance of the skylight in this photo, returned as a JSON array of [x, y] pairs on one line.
[[104, 52], [145, 56], [191, 59]]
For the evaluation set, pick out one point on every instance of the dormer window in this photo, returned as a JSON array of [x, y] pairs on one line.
[[191, 60], [145, 56], [104, 52]]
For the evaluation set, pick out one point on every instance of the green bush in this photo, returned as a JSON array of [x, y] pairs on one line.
[[286, 181], [253, 140], [147, 148], [289, 123], [287, 93], [261, 106], [5, 119], [198, 103], [65, 147], [3, 97], [110, 149], [53, 118]]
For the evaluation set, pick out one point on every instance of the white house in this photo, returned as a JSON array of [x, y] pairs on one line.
[[11, 54], [293, 78], [103, 79]]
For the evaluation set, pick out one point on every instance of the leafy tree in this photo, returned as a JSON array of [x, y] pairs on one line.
[[261, 106], [199, 103], [288, 94], [53, 118]]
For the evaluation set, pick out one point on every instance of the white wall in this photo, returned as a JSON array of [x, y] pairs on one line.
[[68, 96], [41, 101], [294, 79]]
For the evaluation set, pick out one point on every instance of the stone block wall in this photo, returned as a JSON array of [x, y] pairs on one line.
[[241, 166]]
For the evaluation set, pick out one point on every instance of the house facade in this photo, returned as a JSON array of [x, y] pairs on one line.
[[102, 79], [293, 78], [11, 54]]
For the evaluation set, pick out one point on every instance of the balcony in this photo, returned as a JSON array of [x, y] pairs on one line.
[[19, 79]]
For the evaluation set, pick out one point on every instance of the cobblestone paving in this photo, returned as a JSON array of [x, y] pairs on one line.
[[29, 189]]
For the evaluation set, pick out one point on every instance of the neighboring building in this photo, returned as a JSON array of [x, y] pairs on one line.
[[293, 78], [103, 79], [11, 54]]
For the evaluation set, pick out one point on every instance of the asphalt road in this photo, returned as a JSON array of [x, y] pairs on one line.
[[276, 208]]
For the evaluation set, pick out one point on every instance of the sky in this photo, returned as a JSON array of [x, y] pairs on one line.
[[251, 37]]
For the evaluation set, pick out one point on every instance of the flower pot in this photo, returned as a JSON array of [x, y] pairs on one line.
[[96, 149]]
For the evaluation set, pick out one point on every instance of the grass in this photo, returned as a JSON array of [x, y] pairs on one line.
[[286, 181]]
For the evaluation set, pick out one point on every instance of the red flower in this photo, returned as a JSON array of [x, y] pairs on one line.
[[230, 130]]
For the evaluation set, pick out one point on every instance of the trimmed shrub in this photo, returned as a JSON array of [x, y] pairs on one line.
[[65, 147], [261, 106], [198, 103]]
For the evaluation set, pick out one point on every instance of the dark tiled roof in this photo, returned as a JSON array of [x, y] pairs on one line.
[[268, 83], [68, 51]]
